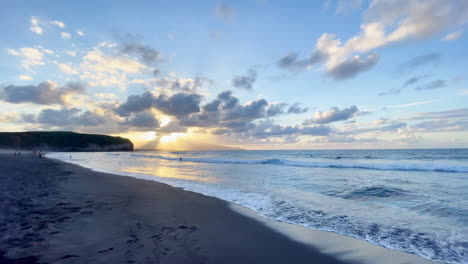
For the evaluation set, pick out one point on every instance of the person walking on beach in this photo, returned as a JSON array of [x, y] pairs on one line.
[[180, 158]]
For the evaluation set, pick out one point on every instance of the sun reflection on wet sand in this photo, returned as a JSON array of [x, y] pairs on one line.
[[168, 169]]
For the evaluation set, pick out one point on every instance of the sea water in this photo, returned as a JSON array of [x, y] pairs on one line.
[[410, 200]]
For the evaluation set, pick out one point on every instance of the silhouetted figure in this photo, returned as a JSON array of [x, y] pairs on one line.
[[70, 156], [180, 158]]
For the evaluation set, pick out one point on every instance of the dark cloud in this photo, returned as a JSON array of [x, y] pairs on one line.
[[225, 111], [333, 115], [297, 109], [415, 62], [275, 109], [278, 130], [437, 84], [292, 62], [66, 117], [184, 85], [135, 104], [144, 53], [246, 81], [351, 67], [269, 129], [178, 105], [46, 93], [142, 119], [346, 69], [411, 81]]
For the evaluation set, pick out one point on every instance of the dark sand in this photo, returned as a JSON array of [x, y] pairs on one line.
[[53, 212]]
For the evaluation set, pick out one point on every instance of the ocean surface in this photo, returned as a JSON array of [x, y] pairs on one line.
[[410, 200]]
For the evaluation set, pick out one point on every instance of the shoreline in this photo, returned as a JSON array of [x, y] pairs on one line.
[[133, 220]]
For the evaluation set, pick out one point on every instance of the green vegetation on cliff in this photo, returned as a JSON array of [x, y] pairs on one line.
[[63, 141]]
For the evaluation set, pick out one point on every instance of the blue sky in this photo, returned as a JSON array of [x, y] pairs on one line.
[[308, 74]]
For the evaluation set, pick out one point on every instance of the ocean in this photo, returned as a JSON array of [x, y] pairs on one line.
[[409, 200]]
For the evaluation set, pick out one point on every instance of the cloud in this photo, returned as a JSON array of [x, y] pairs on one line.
[[442, 125], [380, 121], [351, 67], [135, 104], [246, 81], [46, 93], [66, 117], [413, 80], [453, 36], [291, 61], [437, 84], [65, 35], [415, 62], [31, 57], [183, 84], [179, 105], [225, 111], [297, 109], [266, 129], [25, 77], [143, 119], [390, 127], [66, 68], [34, 27], [225, 11], [333, 115], [385, 22], [103, 69], [275, 109], [409, 82], [144, 53], [79, 32], [446, 114], [58, 23], [172, 127], [415, 20]]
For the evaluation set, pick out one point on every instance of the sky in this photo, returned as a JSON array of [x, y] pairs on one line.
[[254, 74]]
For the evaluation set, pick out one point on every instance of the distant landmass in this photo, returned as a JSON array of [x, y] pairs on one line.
[[63, 141]]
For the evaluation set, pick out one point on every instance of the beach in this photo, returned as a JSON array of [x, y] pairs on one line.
[[55, 212]]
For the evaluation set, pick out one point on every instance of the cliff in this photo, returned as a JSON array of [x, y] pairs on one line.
[[63, 141]]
